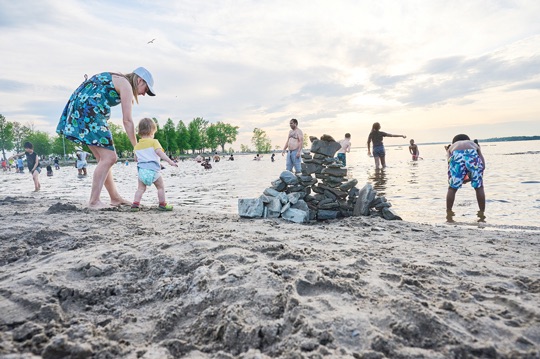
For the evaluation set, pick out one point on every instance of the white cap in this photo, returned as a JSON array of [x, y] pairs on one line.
[[147, 77]]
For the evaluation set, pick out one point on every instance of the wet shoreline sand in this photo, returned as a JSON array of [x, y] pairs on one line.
[[211, 285]]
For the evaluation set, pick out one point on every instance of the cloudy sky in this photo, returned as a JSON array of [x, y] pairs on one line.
[[428, 69]]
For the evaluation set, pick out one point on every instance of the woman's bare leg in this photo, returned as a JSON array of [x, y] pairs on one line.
[[103, 177]]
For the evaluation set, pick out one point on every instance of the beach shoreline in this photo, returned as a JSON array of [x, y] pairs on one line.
[[189, 283]]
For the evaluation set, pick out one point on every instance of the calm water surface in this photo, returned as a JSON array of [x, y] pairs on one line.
[[417, 190]]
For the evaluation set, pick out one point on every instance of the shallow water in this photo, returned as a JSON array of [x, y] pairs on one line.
[[417, 190]]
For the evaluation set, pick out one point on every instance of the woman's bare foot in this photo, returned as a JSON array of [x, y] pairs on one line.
[[98, 205], [120, 202]]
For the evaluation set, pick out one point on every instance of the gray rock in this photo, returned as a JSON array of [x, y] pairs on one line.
[[330, 205], [333, 171], [327, 148], [310, 168], [273, 208], [250, 207], [366, 195], [347, 186], [296, 188], [324, 214], [296, 215], [264, 198], [335, 191], [390, 214], [382, 205], [302, 205], [282, 196], [279, 185], [294, 197], [271, 192], [285, 207], [288, 177]]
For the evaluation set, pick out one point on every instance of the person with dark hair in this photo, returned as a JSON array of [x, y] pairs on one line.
[[294, 144], [465, 159], [84, 121], [32, 160], [376, 136]]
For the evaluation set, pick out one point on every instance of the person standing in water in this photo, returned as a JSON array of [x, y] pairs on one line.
[[376, 136], [345, 148], [413, 150], [294, 147], [85, 117]]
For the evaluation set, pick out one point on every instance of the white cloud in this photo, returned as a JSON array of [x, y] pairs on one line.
[[336, 66]]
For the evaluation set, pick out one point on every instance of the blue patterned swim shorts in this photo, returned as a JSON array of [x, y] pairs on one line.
[[463, 162]]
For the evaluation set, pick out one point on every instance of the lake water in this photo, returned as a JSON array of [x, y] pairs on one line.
[[417, 190]]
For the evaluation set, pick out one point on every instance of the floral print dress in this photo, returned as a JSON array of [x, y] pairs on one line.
[[85, 116]]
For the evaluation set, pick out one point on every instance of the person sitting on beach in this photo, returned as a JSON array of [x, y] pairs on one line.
[[199, 159], [32, 160], [231, 157], [49, 171], [257, 158], [148, 151], [465, 159], [216, 157], [413, 150]]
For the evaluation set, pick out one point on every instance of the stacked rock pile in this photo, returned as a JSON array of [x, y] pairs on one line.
[[320, 192]]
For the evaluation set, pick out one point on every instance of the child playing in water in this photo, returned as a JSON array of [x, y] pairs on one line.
[[32, 160], [465, 159], [413, 150], [148, 151]]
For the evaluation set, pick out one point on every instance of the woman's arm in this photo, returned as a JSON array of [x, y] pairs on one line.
[[125, 91]]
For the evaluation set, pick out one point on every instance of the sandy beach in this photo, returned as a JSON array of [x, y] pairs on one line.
[[76, 283]]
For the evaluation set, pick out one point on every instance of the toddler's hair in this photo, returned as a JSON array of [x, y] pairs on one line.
[[146, 127]]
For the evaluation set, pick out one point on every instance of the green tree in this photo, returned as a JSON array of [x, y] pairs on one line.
[[211, 137], [244, 149], [20, 132], [159, 135], [261, 141], [121, 141], [59, 143], [182, 137], [170, 135], [226, 133], [41, 141], [6, 136], [196, 129]]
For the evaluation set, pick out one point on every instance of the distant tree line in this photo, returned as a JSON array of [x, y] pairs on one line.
[[512, 138], [198, 136]]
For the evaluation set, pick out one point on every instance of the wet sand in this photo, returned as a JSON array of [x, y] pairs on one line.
[[76, 283]]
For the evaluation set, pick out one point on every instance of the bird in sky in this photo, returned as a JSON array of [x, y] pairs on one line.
[[151, 41]]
